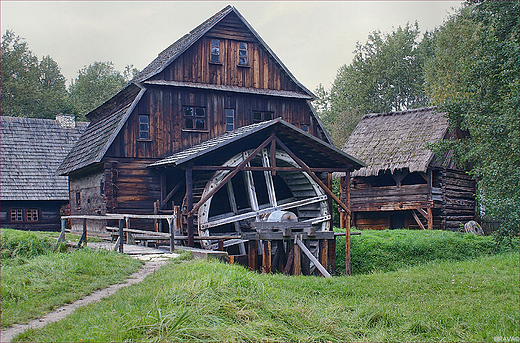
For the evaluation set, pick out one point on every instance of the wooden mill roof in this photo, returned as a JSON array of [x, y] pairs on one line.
[[396, 140], [313, 151], [30, 151]]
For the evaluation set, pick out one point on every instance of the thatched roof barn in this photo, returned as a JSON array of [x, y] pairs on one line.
[[404, 184], [31, 150]]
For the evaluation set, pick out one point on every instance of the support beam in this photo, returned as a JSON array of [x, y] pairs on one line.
[[417, 220], [172, 193], [347, 225], [231, 174], [312, 175], [189, 206], [313, 259]]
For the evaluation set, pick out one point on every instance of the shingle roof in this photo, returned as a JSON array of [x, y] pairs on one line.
[[30, 151], [101, 132], [251, 136], [396, 140]]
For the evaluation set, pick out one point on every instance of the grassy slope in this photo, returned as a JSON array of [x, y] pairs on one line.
[[35, 279], [389, 250], [473, 300]]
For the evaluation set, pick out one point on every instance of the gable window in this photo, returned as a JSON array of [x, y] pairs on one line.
[[17, 215], [144, 126], [259, 116], [32, 215], [242, 54], [215, 51], [194, 118], [305, 127], [230, 119]]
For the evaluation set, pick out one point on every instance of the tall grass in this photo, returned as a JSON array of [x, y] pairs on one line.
[[35, 279], [390, 250], [466, 301]]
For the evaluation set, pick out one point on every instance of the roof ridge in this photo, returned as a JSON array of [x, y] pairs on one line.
[[395, 113]]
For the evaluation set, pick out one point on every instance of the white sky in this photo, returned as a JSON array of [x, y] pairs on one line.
[[312, 38]]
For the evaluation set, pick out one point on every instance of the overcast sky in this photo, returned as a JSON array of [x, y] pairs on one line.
[[312, 38]]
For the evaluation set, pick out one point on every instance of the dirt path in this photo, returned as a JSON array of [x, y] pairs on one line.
[[149, 267]]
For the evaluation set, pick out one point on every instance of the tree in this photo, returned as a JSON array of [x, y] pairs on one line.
[[95, 84], [386, 74], [474, 76], [29, 88]]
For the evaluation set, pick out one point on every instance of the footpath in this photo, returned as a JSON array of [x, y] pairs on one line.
[[154, 259]]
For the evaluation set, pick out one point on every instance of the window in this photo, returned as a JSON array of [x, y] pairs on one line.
[[242, 54], [32, 215], [262, 116], [78, 199], [305, 128], [215, 51], [230, 119], [195, 118], [17, 215], [144, 126]]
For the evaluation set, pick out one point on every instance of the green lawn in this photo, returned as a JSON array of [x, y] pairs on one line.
[[472, 300], [35, 279]]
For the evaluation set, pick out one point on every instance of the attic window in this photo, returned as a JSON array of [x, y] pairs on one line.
[[305, 127], [194, 118], [262, 116], [215, 51], [144, 126], [242, 54]]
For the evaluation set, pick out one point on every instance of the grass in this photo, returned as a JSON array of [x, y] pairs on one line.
[[471, 300], [390, 250], [36, 279]]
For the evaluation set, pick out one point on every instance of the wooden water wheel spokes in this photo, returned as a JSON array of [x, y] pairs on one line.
[[253, 195]]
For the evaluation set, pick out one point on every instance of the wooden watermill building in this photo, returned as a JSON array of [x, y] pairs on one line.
[[216, 125], [404, 185]]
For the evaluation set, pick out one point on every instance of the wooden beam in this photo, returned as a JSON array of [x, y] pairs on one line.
[[417, 220], [347, 225], [189, 206], [172, 192], [272, 169], [311, 257], [430, 218], [253, 214], [266, 257], [231, 174], [312, 175]]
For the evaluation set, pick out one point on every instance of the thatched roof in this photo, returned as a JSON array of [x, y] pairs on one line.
[[396, 140], [31, 149]]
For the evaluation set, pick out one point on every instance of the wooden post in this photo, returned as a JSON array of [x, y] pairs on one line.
[[430, 218], [189, 206], [121, 240], [331, 264], [252, 255], [84, 234], [297, 264], [324, 252], [61, 237], [347, 224], [266, 256], [172, 233], [309, 255]]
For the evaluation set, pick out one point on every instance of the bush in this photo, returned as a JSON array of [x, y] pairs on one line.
[[389, 250]]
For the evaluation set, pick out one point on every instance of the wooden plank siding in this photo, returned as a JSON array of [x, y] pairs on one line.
[[261, 71], [164, 105]]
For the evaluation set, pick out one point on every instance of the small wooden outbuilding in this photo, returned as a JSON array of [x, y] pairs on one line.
[[31, 150], [404, 184]]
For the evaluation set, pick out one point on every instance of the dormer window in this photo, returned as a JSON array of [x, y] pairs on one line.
[[242, 54], [215, 51]]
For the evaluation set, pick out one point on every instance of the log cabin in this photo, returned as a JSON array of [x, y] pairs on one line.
[[31, 149], [404, 184], [216, 125]]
